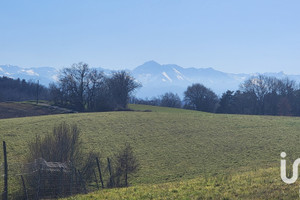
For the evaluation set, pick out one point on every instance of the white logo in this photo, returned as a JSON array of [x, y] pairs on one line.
[[283, 170], [296, 163]]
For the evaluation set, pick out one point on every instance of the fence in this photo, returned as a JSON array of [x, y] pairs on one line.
[[46, 180]]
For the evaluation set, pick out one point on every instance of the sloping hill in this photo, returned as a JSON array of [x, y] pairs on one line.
[[259, 184], [172, 144]]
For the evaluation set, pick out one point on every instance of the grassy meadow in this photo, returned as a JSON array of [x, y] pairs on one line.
[[183, 154], [259, 184]]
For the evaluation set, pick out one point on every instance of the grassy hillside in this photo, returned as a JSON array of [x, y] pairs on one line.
[[172, 144], [259, 184]]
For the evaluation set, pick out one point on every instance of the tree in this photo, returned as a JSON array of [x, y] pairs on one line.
[[226, 103], [85, 89], [244, 103], [95, 89], [170, 99], [284, 107], [126, 163], [121, 86], [198, 97], [272, 95], [258, 86], [21, 90], [74, 84], [81, 88]]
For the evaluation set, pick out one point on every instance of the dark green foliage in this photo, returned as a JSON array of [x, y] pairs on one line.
[[21, 90], [198, 97], [170, 99], [262, 95], [121, 86], [226, 103]]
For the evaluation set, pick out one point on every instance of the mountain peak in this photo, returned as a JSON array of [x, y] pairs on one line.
[[150, 66], [151, 63]]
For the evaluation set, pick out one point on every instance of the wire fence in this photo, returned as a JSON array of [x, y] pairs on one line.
[[46, 180]]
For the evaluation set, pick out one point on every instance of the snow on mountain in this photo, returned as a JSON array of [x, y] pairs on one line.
[[155, 78], [45, 75], [166, 75], [158, 79]]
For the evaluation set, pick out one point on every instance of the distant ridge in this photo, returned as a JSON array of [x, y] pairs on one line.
[[155, 78]]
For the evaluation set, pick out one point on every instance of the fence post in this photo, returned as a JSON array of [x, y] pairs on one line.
[[111, 181], [24, 188], [5, 191], [82, 182], [71, 180], [96, 179], [77, 186], [61, 182], [38, 184], [100, 174]]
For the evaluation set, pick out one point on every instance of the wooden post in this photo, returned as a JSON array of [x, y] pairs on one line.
[[5, 191], [96, 180], [77, 186], [82, 182], [61, 181], [111, 181], [24, 188], [71, 180], [99, 170], [126, 178], [38, 184]]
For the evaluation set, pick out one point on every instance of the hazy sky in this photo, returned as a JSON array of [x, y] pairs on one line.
[[228, 35]]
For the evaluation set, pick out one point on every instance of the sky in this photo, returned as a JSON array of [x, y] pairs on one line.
[[228, 35]]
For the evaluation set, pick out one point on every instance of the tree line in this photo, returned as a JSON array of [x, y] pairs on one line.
[[21, 90], [78, 87], [260, 95]]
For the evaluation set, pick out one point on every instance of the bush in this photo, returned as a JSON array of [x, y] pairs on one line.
[[63, 145], [58, 167], [126, 163]]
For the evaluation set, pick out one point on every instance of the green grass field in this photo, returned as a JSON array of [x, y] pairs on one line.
[[178, 149], [259, 184]]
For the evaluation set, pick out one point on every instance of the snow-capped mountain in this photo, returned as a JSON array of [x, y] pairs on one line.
[[45, 75], [158, 79], [155, 78]]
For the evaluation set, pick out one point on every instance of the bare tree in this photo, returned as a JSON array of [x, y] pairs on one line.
[[170, 99], [272, 94], [74, 82], [126, 163], [96, 80], [84, 89]]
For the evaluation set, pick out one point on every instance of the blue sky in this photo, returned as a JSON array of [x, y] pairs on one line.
[[228, 35]]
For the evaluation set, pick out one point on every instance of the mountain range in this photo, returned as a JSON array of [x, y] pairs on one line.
[[155, 78]]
